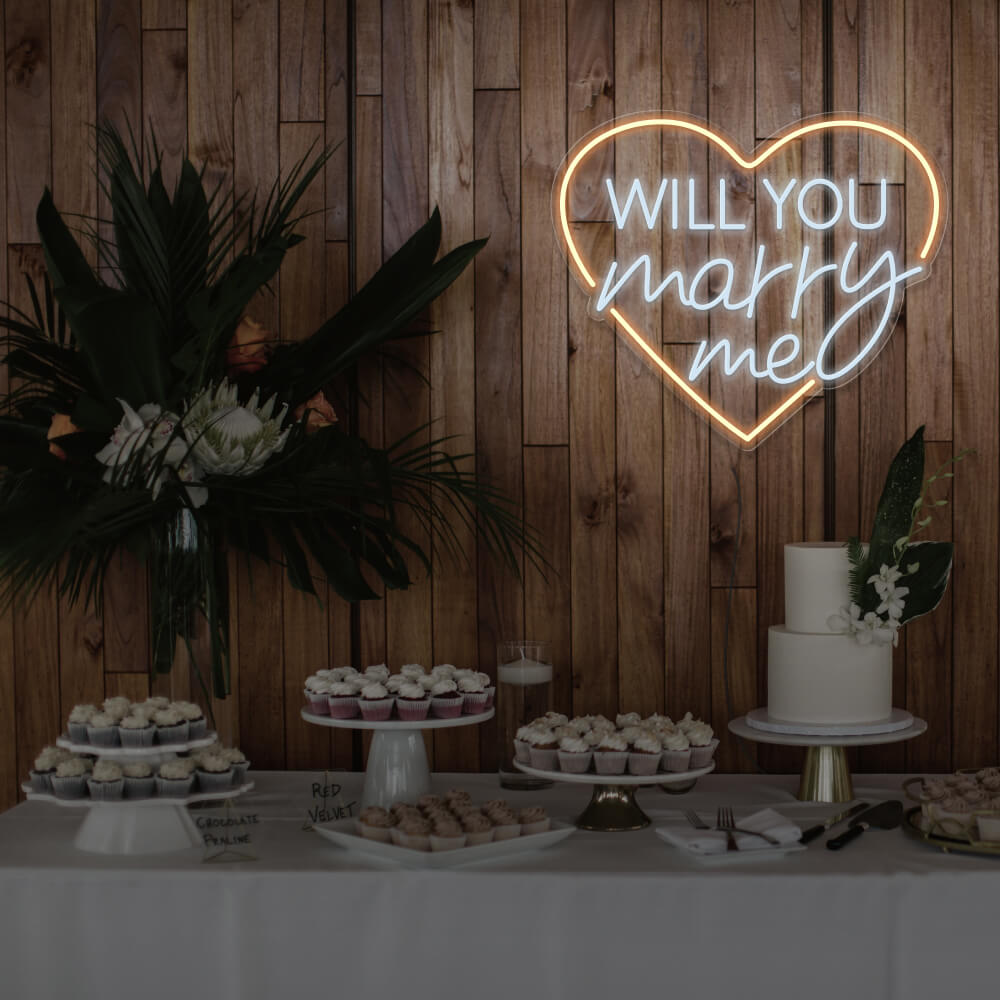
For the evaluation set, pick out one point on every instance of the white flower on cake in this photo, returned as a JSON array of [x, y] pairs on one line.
[[866, 629], [885, 579]]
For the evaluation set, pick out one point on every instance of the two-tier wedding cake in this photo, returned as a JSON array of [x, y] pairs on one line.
[[816, 676]]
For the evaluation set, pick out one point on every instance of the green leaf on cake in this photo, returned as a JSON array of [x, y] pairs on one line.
[[928, 584]]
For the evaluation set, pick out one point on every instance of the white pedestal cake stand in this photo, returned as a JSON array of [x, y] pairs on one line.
[[612, 806], [138, 826], [397, 762], [825, 774]]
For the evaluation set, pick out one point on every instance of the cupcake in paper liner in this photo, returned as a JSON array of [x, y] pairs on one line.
[[239, 763], [703, 743], [522, 748], [506, 825], [215, 773], [676, 756], [534, 819], [376, 823], [102, 730], [574, 755], [447, 835], [195, 718], [317, 692], [473, 693], [446, 699], [611, 754], [40, 779], [644, 758], [106, 782], [543, 747], [139, 780], [70, 779], [117, 707], [342, 702], [478, 829], [414, 832], [175, 779], [489, 687], [79, 719], [136, 731], [171, 726], [412, 701], [375, 702]]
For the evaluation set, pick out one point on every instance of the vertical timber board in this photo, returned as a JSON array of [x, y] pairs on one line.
[[9, 777], [593, 512], [778, 52], [368, 48], [134, 686], [543, 269], [929, 346], [976, 249], [210, 89], [731, 108], [338, 98], [546, 598], [497, 53], [498, 360], [28, 119], [590, 57], [881, 86], [161, 14], [639, 392], [451, 111], [305, 640], [164, 110], [301, 61], [739, 664]]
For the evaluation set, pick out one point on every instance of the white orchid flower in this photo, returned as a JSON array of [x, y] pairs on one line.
[[885, 580], [894, 603]]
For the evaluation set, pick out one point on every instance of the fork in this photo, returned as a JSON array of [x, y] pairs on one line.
[[725, 820]]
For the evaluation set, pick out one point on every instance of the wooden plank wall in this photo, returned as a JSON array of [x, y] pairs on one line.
[[471, 106]]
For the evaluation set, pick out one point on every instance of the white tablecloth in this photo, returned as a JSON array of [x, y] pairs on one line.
[[600, 915]]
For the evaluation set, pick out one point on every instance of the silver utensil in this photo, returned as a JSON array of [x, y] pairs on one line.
[[721, 815], [725, 820], [695, 820]]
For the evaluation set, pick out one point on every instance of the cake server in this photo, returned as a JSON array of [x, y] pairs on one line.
[[884, 816], [820, 828]]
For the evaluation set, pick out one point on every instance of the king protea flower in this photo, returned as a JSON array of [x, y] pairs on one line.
[[230, 438]]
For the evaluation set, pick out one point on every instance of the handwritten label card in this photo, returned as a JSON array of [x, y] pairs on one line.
[[328, 804]]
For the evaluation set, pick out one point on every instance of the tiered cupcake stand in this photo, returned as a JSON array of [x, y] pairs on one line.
[[826, 776], [138, 826], [397, 762], [612, 807]]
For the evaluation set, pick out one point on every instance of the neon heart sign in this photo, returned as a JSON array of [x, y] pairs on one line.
[[693, 241]]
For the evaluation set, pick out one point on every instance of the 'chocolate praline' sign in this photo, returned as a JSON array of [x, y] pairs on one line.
[[715, 264]]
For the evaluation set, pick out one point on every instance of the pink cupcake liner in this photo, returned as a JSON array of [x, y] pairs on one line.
[[343, 708], [643, 764], [610, 761], [702, 756], [676, 761], [376, 711], [446, 708], [319, 704], [544, 760], [413, 710], [491, 694], [574, 763], [474, 703]]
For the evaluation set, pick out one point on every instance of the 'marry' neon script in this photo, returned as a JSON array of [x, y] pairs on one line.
[[673, 203]]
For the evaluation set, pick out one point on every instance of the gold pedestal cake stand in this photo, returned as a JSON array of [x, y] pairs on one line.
[[825, 775]]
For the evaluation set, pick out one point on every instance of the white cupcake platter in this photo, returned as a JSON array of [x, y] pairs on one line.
[[153, 825], [150, 755], [397, 762], [612, 806]]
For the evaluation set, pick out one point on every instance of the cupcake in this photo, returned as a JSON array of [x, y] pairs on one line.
[[412, 701], [45, 767], [339, 674], [215, 773], [154, 704], [478, 829], [106, 782], [447, 835], [394, 682], [553, 719], [473, 695], [375, 702], [195, 718], [171, 726], [446, 700], [102, 730], [239, 764], [377, 672], [506, 825], [117, 708], [543, 748], [70, 779], [676, 755], [427, 681], [413, 832], [444, 670], [703, 745], [317, 692], [78, 720], [136, 731], [343, 700], [429, 801], [644, 757], [454, 796], [522, 748], [139, 780], [574, 755], [622, 720], [411, 670], [376, 824], [611, 755], [175, 779], [533, 819]]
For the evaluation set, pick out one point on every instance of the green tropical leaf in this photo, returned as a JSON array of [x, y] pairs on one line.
[[928, 584]]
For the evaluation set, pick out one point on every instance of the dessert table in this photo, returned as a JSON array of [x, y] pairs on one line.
[[597, 915]]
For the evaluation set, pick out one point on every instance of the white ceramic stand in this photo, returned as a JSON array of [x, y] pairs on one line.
[[397, 762]]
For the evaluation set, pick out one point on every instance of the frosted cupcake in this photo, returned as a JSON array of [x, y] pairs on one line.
[[444, 670], [106, 782], [676, 756], [136, 731], [478, 829], [175, 779], [394, 682], [239, 763], [413, 832], [70, 779], [45, 767], [317, 692], [156, 703], [78, 720], [644, 757], [171, 726], [622, 720], [522, 748], [412, 701], [446, 700], [117, 708], [611, 755], [195, 717], [375, 702], [102, 730], [473, 695], [574, 755], [377, 672], [703, 743], [506, 825], [489, 687], [343, 700], [139, 780], [376, 824], [533, 819], [214, 773], [412, 670], [447, 835], [543, 748]]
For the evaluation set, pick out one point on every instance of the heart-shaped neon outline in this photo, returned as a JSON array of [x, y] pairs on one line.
[[612, 130]]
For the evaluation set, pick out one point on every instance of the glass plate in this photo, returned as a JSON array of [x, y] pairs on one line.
[[913, 825]]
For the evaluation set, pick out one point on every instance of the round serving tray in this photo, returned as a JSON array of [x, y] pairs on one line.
[[913, 824], [897, 720], [119, 752], [627, 780], [397, 725], [151, 801]]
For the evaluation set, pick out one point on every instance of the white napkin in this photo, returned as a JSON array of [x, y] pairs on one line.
[[714, 841]]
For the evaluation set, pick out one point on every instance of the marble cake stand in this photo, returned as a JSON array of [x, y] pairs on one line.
[[825, 774], [397, 762]]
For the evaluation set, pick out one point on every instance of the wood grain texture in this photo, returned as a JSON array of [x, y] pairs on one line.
[[881, 86], [498, 50], [301, 61], [119, 62], [368, 48], [778, 64], [738, 664], [164, 111], [164, 14], [210, 88], [337, 119]]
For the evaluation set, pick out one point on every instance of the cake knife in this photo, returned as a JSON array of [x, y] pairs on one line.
[[820, 828], [884, 816]]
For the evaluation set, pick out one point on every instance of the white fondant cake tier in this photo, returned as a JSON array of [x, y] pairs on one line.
[[816, 584], [826, 678]]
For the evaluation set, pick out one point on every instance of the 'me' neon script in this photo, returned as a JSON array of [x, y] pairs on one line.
[[673, 203]]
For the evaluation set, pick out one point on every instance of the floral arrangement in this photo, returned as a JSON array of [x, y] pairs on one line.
[[151, 412], [895, 579]]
